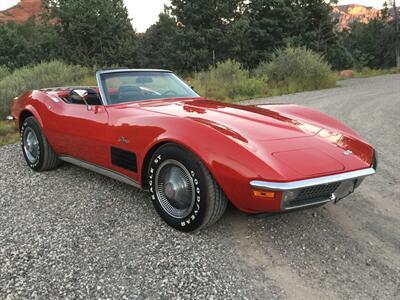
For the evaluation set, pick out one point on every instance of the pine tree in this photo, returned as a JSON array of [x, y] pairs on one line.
[[94, 32], [204, 27]]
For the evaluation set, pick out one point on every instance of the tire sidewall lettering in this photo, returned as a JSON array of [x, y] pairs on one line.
[[36, 164], [196, 208], [191, 219]]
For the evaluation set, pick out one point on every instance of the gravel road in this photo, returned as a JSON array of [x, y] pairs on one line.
[[73, 234]]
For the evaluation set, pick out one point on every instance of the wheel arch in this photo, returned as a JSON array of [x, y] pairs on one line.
[[160, 143], [146, 162], [27, 112]]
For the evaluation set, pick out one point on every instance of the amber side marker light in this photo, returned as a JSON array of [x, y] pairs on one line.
[[264, 194]]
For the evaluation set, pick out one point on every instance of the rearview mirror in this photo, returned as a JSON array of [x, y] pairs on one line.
[[144, 79], [80, 95]]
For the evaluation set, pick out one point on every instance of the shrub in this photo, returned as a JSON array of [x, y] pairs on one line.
[[4, 72], [229, 81], [340, 58], [298, 69], [50, 74]]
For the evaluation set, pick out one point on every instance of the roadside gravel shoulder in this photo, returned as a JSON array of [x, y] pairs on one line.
[[73, 234]]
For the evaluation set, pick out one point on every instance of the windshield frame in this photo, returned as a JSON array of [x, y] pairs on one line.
[[103, 94]]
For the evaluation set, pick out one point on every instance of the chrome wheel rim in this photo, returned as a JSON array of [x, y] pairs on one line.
[[175, 189], [31, 145]]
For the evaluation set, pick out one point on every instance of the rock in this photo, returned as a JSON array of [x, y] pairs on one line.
[[346, 73]]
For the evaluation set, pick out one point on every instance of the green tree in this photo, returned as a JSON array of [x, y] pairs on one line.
[[272, 23], [204, 30], [316, 25], [276, 23], [385, 11], [27, 44], [371, 44], [158, 46], [94, 32]]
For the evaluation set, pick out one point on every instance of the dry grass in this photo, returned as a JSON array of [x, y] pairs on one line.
[[367, 72], [8, 133]]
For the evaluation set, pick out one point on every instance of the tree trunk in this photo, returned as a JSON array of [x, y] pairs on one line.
[[397, 33]]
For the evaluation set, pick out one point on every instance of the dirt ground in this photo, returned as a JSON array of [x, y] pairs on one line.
[[73, 234]]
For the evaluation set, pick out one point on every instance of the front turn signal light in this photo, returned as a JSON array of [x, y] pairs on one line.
[[264, 194]]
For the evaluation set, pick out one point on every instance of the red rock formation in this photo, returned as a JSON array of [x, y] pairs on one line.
[[21, 12], [348, 14]]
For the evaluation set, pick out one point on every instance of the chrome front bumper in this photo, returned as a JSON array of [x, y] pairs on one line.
[[315, 191], [294, 185]]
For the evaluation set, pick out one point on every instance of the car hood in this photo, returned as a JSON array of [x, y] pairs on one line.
[[280, 135], [239, 122]]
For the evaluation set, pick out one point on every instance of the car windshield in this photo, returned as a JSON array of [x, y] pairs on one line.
[[131, 86]]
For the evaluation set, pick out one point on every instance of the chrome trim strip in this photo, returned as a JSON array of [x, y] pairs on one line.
[[308, 204], [293, 185], [103, 97], [131, 70], [100, 170]]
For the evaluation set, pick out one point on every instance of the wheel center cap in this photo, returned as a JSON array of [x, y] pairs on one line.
[[169, 190]]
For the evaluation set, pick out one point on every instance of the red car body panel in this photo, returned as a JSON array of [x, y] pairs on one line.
[[238, 144]]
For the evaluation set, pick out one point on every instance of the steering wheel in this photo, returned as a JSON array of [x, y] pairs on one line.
[[169, 92]]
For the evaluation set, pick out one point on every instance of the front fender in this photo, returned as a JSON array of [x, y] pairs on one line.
[[233, 161]]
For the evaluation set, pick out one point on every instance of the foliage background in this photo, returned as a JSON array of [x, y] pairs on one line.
[[192, 35], [231, 49]]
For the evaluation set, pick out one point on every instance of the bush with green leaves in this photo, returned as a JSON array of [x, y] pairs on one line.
[[4, 72], [297, 69], [28, 44], [49, 74], [340, 58], [229, 81]]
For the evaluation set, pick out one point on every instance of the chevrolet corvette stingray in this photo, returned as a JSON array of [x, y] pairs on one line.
[[149, 129]]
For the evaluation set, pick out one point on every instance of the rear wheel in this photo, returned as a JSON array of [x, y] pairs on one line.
[[37, 152], [183, 191]]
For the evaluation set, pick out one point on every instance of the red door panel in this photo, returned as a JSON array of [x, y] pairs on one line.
[[80, 133]]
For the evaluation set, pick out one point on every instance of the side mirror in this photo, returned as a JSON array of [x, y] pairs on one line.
[[80, 96]]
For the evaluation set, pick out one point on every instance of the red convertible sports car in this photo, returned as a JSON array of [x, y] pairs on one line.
[[149, 129]]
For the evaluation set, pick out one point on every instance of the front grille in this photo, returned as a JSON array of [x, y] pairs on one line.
[[312, 196], [317, 191]]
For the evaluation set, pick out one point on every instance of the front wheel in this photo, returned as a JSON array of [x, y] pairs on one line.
[[37, 151], [183, 191]]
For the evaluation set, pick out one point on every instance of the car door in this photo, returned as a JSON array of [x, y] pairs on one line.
[[80, 132]]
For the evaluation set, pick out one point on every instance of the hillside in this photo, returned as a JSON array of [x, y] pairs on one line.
[[21, 12], [348, 14]]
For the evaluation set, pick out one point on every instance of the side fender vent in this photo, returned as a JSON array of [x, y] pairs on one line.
[[124, 159]]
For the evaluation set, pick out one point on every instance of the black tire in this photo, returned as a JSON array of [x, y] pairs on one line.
[[209, 200], [46, 159]]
